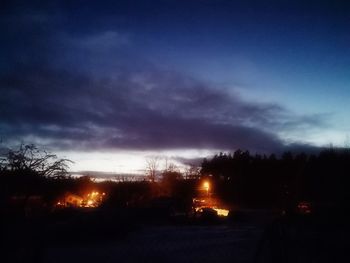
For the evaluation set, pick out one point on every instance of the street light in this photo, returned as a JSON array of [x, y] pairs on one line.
[[206, 186]]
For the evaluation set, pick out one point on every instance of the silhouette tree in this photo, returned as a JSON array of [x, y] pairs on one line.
[[30, 159], [192, 172], [152, 166], [170, 177], [282, 180]]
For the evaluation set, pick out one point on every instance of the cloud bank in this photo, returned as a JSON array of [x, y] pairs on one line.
[[91, 90]]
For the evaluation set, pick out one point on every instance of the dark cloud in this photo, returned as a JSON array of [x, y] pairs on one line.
[[189, 162], [136, 110], [92, 91]]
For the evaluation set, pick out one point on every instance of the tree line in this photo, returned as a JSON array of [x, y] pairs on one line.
[[239, 178], [268, 180]]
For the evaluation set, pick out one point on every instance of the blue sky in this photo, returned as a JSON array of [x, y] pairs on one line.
[[175, 78]]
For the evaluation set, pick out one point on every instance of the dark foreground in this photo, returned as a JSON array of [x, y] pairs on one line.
[[169, 244], [250, 237]]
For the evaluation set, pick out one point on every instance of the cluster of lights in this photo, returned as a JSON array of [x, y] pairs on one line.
[[206, 202], [93, 199], [219, 211]]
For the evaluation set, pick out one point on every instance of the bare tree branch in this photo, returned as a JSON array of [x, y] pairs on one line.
[[152, 166], [30, 158]]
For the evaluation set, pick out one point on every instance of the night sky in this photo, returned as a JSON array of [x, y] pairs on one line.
[[107, 83]]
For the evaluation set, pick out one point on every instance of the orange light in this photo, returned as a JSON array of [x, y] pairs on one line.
[[206, 185]]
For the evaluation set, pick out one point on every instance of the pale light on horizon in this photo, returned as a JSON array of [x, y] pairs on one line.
[[129, 162]]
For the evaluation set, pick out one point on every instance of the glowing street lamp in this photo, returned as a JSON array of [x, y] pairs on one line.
[[206, 186]]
